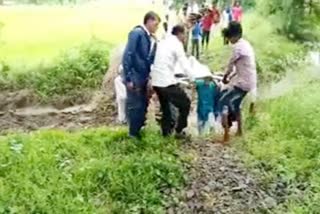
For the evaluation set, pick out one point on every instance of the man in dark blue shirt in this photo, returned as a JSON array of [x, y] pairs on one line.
[[137, 60]]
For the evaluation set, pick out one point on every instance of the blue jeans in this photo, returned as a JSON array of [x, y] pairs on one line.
[[137, 103]]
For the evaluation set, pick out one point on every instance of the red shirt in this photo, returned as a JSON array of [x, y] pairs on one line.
[[207, 22]]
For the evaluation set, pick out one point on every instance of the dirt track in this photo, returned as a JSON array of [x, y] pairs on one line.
[[20, 111]]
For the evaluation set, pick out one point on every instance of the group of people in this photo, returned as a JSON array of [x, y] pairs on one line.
[[202, 21], [150, 66]]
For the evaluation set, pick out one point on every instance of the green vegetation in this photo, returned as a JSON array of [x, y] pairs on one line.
[[70, 54], [77, 69], [92, 171], [33, 34], [284, 142]]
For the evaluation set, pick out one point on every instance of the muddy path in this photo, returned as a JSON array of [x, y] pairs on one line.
[[218, 182], [22, 112]]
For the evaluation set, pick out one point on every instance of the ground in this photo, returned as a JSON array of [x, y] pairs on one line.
[[48, 149]]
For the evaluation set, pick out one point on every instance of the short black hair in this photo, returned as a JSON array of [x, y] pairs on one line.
[[151, 16], [176, 30], [234, 30]]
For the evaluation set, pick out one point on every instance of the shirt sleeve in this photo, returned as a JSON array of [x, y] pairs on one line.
[[236, 54], [128, 55], [183, 60]]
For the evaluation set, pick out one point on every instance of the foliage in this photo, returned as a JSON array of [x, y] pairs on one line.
[[76, 69], [298, 19], [289, 127], [93, 171]]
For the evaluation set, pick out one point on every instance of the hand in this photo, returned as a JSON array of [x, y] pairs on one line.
[[130, 86], [225, 79]]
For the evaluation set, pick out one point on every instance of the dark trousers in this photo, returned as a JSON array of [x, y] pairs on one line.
[[232, 98], [195, 48], [137, 103], [179, 99], [205, 38]]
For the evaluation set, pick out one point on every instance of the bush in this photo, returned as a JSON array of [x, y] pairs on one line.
[[77, 69]]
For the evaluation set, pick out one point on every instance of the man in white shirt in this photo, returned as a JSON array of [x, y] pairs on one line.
[[169, 53]]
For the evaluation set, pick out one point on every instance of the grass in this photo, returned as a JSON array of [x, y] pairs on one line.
[[92, 171], [289, 127], [31, 34]]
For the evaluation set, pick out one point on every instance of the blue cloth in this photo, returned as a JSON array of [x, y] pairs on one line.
[[196, 31], [207, 96], [138, 57]]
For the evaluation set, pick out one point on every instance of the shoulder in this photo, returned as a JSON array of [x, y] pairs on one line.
[[137, 31]]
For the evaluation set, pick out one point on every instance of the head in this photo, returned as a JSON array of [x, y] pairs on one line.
[[151, 21], [179, 32], [237, 4], [234, 32]]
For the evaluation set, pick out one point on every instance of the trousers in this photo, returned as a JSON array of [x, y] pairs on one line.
[[137, 103], [178, 98]]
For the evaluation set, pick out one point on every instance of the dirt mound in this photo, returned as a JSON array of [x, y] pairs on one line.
[[218, 182], [100, 111], [17, 99]]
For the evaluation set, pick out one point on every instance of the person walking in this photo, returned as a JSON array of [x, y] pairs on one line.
[[237, 12], [207, 23], [137, 60], [170, 53], [196, 38]]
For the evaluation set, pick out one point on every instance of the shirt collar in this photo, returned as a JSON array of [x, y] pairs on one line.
[[144, 27]]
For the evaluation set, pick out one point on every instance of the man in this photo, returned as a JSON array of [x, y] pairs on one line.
[[137, 60], [245, 75], [170, 52]]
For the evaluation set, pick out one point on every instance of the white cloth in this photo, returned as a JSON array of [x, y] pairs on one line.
[[200, 70], [193, 8], [170, 53], [121, 96]]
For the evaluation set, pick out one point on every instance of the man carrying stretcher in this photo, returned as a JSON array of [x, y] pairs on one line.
[[242, 66]]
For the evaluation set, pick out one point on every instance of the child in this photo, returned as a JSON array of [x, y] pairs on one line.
[[196, 37], [207, 94], [121, 96]]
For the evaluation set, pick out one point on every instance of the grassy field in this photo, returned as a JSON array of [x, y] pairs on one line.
[[35, 33], [93, 171]]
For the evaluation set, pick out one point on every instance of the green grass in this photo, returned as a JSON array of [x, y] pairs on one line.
[[92, 171], [34, 33], [289, 128]]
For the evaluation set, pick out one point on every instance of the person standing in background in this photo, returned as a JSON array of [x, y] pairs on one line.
[[137, 60], [207, 23], [237, 12], [196, 38]]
